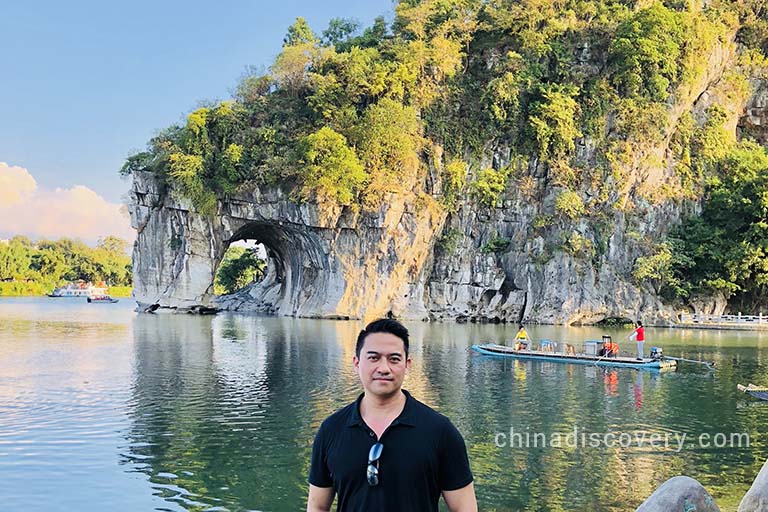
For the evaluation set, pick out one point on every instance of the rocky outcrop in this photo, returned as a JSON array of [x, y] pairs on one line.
[[562, 272], [680, 493], [756, 499], [324, 262], [754, 122], [538, 277], [686, 494]]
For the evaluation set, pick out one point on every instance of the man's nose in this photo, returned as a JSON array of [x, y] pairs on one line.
[[383, 367]]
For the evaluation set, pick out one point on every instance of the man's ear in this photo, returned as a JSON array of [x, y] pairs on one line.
[[356, 362], [408, 362]]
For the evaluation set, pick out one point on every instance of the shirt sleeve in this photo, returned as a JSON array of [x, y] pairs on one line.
[[454, 470], [319, 474]]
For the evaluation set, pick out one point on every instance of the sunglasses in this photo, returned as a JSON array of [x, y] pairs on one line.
[[373, 464]]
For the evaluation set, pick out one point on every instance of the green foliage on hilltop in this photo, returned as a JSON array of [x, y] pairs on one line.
[[28, 267], [645, 52], [458, 74]]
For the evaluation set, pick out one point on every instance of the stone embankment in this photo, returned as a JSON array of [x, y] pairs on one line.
[[684, 494]]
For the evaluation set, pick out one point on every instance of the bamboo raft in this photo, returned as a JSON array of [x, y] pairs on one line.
[[493, 349]]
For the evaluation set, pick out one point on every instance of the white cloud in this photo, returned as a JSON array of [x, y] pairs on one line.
[[15, 184], [77, 212]]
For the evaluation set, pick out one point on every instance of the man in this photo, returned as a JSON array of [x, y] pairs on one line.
[[639, 335], [387, 451]]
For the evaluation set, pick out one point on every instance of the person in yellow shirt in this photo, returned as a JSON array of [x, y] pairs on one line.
[[521, 339]]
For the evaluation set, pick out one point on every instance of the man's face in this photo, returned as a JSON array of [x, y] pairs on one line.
[[382, 364]]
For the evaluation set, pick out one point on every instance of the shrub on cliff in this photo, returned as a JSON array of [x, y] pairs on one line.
[[330, 167]]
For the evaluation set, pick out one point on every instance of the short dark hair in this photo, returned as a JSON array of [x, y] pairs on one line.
[[639, 323], [382, 325]]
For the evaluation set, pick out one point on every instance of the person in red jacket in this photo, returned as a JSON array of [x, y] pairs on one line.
[[639, 335]]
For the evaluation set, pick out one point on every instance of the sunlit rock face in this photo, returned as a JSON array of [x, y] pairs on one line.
[[323, 262], [536, 279], [334, 262]]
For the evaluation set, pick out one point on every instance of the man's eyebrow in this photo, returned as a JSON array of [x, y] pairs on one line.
[[374, 353]]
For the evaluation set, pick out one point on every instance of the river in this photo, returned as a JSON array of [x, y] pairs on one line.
[[103, 408]]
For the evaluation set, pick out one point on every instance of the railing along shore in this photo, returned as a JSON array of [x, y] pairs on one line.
[[737, 321]]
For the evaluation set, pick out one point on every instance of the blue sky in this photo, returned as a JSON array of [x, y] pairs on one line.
[[84, 83]]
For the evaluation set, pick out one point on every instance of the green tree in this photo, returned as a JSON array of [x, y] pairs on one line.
[[489, 185], [339, 32], [553, 121], [300, 49], [569, 204], [728, 242], [657, 269], [371, 37], [239, 268], [388, 138], [113, 244], [299, 33], [15, 259], [645, 52], [49, 264], [331, 168]]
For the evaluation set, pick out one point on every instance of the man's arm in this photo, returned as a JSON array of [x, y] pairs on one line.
[[461, 500], [321, 499]]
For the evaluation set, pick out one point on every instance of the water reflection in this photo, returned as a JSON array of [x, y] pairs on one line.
[[225, 409]]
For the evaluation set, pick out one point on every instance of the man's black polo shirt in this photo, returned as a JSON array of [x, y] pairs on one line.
[[423, 455]]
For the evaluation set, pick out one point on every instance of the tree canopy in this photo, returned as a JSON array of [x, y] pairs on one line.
[[51, 263]]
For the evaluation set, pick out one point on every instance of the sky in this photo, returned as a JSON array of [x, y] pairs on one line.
[[84, 83]]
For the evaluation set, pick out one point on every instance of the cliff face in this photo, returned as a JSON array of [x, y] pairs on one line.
[[339, 262], [323, 262], [534, 279], [335, 263]]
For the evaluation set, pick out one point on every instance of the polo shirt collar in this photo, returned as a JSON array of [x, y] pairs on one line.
[[406, 417]]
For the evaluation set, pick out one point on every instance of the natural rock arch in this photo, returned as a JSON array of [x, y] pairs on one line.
[[296, 264], [326, 261]]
